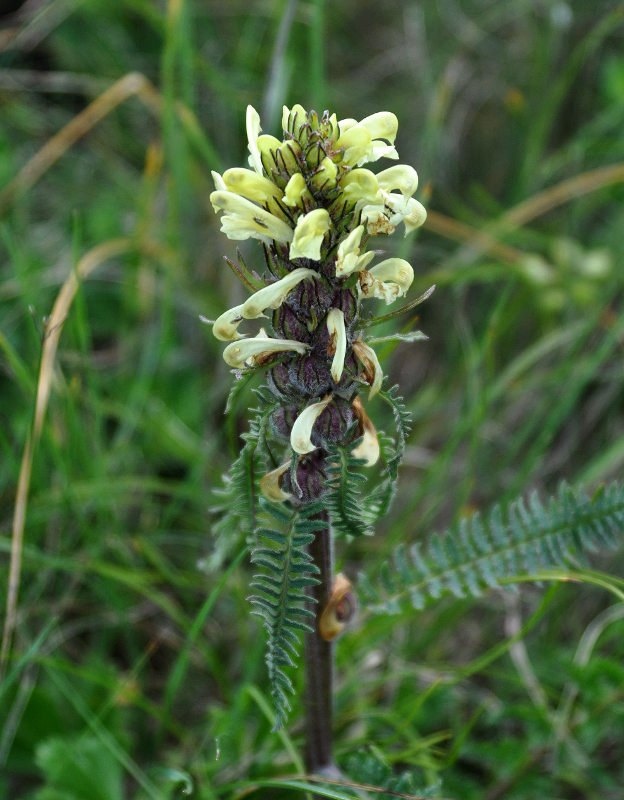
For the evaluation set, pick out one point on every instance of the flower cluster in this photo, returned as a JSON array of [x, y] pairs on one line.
[[314, 206]]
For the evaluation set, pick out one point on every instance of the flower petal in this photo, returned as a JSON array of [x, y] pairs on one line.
[[218, 182], [357, 143], [368, 449], [225, 327], [270, 484], [250, 185], [382, 125], [372, 368], [397, 270], [246, 220], [387, 280], [247, 351], [301, 431], [252, 123], [361, 184], [273, 295], [309, 233], [401, 177], [296, 191], [338, 334]]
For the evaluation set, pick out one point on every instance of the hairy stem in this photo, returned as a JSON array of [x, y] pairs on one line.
[[319, 663]]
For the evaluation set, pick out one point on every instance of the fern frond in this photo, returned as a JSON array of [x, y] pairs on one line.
[[482, 552], [237, 500], [344, 499], [367, 770], [286, 570], [379, 500], [402, 421]]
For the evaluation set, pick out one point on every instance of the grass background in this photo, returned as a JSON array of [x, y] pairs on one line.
[[136, 671]]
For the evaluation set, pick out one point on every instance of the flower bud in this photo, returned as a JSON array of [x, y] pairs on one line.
[[296, 193], [325, 177]]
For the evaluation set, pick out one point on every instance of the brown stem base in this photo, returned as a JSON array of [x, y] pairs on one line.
[[319, 664]]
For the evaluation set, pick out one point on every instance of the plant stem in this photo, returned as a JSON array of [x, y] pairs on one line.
[[319, 663]]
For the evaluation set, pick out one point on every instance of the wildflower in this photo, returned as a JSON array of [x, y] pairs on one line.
[[248, 351], [246, 220], [301, 433], [336, 328], [312, 202], [309, 234]]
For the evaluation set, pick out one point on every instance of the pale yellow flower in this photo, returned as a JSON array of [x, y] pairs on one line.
[[337, 332], [273, 295], [361, 185], [368, 449], [252, 121], [387, 280], [401, 177], [225, 327], [372, 367], [296, 192], [309, 233], [246, 352], [270, 484], [245, 220], [250, 185], [301, 431], [348, 258]]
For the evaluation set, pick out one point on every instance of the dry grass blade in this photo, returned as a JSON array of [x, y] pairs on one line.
[[132, 84], [563, 192], [461, 232], [54, 328]]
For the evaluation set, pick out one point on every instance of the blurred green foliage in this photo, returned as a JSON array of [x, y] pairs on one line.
[[136, 670]]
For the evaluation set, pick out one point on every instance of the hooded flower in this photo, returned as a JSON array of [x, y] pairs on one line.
[[301, 433], [309, 199], [309, 234], [247, 351]]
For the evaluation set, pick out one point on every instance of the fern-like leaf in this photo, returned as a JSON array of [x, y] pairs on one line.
[[344, 499], [237, 501], [379, 500], [285, 573], [481, 552]]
